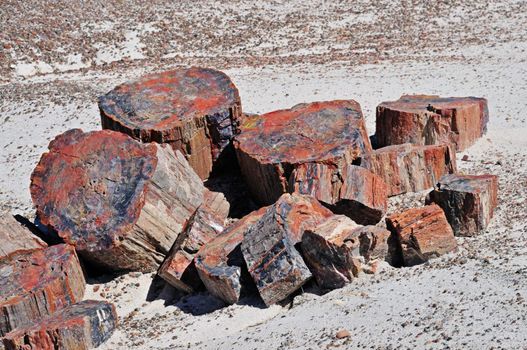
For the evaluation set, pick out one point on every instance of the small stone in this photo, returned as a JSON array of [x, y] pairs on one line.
[[343, 333], [465, 158]]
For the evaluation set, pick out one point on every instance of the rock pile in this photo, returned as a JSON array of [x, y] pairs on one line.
[[128, 205]]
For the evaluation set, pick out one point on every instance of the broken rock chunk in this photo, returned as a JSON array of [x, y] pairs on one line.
[[423, 233], [410, 168], [34, 284], [15, 237], [269, 147], [468, 201], [195, 110], [430, 120], [82, 326], [120, 202], [377, 243], [349, 190]]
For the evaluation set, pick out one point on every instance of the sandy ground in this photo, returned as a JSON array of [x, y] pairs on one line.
[[279, 55]]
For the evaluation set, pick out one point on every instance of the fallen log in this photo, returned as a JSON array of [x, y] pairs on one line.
[[15, 237]]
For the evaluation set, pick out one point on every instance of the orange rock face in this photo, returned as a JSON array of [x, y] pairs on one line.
[[271, 146], [195, 110], [468, 201], [429, 120], [423, 233], [410, 168]]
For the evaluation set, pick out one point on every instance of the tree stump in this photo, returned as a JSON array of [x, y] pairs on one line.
[[423, 233], [15, 237], [37, 283], [271, 146], [430, 120], [195, 110], [410, 168], [82, 326], [467, 200], [121, 203]]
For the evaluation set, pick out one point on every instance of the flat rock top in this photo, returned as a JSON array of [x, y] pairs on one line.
[[26, 272], [430, 103], [406, 148], [306, 132], [90, 186], [466, 183], [169, 99]]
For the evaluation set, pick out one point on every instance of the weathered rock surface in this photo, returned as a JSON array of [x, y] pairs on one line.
[[347, 189], [34, 284], [15, 237], [410, 168], [121, 203], [272, 145], [178, 268], [467, 200], [220, 262], [195, 110], [377, 243], [269, 250], [423, 233], [430, 120], [82, 326]]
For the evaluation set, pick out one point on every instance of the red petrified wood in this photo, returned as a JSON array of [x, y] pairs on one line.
[[429, 120], [196, 110], [120, 202], [467, 200], [38, 283], [82, 326], [410, 168], [269, 250], [423, 233], [271, 146], [14, 237]]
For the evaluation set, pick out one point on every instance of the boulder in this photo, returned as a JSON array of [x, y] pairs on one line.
[[423, 233], [81, 326], [34, 284], [430, 120], [377, 243], [468, 201], [269, 250], [195, 110], [410, 168], [349, 190], [15, 237], [271, 146], [121, 203], [220, 264]]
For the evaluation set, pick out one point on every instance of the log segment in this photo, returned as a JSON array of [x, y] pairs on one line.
[[15, 237]]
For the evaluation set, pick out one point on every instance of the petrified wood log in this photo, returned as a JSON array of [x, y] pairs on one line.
[[347, 189], [423, 233], [38, 283], [15, 237], [467, 200], [272, 145], [220, 263], [377, 243], [275, 265], [82, 326], [410, 168], [196, 110], [120, 202], [429, 120], [178, 268]]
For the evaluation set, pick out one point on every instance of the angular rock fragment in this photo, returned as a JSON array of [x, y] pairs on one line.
[[467, 200], [377, 243], [37, 283], [178, 268], [350, 190], [271, 146], [81, 326], [220, 263], [410, 168], [423, 233], [430, 120], [269, 250], [15, 237], [121, 203], [195, 110]]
